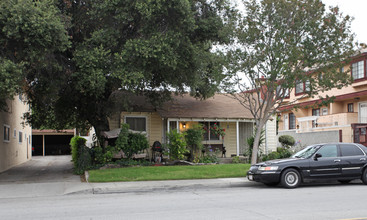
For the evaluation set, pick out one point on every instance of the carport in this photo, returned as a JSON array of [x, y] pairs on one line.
[[51, 142]]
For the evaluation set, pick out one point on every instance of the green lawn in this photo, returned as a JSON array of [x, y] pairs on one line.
[[168, 173]]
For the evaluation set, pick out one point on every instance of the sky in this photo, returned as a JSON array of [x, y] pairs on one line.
[[356, 9]]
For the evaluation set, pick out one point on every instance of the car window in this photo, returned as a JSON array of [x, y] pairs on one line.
[[350, 150], [329, 150], [307, 152]]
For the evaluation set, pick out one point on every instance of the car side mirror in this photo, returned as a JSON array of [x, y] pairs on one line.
[[317, 156]]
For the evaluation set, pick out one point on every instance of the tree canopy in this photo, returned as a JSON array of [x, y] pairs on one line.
[[282, 43], [32, 36], [76, 54]]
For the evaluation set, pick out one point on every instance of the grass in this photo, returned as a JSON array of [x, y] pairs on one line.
[[168, 173]]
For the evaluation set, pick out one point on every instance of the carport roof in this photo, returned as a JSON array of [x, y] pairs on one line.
[[52, 132]]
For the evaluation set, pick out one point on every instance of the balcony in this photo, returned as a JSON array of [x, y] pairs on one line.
[[326, 122]]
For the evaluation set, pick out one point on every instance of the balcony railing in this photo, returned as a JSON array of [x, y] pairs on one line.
[[327, 121]]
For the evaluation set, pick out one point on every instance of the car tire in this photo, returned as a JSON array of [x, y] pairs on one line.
[[290, 178], [344, 181], [364, 176]]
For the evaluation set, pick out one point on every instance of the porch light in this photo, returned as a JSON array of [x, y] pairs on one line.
[[184, 125]]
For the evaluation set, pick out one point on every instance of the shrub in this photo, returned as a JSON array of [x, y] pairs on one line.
[[251, 140], [136, 143], [84, 160], [236, 159], [122, 140], [75, 144], [100, 157], [130, 143], [81, 155], [177, 145], [194, 137], [286, 140], [280, 153], [210, 157]]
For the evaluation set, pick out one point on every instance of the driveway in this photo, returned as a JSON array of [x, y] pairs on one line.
[[42, 176], [41, 170]]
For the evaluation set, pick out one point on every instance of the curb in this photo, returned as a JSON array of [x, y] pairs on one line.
[[159, 186]]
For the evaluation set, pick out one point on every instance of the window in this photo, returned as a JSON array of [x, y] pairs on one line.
[[302, 87], [358, 70], [350, 107], [324, 111], [328, 151], [282, 92], [299, 87], [209, 136], [20, 137], [307, 86], [136, 123], [350, 150], [172, 125], [15, 133], [292, 121], [6, 133], [316, 112]]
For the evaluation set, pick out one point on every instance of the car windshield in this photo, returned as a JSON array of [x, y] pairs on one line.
[[307, 152]]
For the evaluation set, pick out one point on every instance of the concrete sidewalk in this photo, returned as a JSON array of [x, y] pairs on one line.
[[24, 190]]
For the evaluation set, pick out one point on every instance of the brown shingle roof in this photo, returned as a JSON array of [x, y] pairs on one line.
[[219, 106]]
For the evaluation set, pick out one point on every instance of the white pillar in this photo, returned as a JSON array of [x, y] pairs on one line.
[[167, 125], [43, 145], [238, 138]]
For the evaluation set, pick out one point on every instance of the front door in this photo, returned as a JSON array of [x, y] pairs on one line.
[[328, 165], [363, 112]]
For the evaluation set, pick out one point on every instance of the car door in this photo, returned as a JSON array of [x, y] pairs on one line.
[[328, 165], [352, 160]]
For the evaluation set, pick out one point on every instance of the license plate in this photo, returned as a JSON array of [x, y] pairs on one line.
[[250, 177]]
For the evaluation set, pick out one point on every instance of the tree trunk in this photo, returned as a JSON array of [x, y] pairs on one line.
[[255, 148]]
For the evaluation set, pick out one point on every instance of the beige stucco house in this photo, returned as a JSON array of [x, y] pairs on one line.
[[344, 120], [184, 111], [15, 146]]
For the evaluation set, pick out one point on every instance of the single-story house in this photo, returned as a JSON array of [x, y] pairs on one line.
[[184, 111]]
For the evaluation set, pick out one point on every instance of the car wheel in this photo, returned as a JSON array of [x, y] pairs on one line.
[[364, 176], [290, 178], [344, 181]]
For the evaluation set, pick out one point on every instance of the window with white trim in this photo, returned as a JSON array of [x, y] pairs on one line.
[[208, 135], [6, 133], [136, 123]]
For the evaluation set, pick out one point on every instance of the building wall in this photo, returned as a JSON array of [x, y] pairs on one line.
[[271, 139], [154, 124], [14, 152], [305, 139]]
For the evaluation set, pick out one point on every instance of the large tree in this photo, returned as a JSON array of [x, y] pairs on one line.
[[32, 37], [153, 47], [282, 43]]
